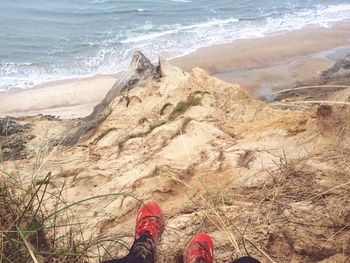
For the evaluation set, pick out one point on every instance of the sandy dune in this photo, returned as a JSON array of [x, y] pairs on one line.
[[222, 162]]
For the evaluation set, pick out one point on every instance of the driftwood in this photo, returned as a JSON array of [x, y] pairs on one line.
[[141, 70]]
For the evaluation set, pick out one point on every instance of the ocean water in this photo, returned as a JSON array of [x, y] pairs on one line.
[[44, 40]]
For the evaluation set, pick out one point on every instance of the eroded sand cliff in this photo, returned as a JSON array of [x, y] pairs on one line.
[[272, 180]]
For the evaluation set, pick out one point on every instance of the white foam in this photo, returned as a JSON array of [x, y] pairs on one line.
[[99, 1], [179, 28], [149, 36], [323, 16], [181, 1], [172, 40]]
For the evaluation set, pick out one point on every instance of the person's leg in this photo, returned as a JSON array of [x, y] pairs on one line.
[[149, 228], [142, 251], [246, 259]]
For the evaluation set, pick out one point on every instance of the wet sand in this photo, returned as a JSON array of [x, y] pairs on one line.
[[264, 52], [273, 62], [267, 63]]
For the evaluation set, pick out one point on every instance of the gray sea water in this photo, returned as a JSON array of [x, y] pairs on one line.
[[43, 40]]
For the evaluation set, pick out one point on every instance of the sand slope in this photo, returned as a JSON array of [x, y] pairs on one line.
[[217, 161]]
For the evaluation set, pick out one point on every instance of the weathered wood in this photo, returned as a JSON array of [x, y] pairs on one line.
[[141, 70]]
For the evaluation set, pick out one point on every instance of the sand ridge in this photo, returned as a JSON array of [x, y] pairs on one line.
[[217, 161]]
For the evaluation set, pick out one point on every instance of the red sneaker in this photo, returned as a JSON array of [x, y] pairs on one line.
[[200, 247], [150, 218]]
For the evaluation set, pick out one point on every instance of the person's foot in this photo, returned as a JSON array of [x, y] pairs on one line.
[[200, 249], [150, 218]]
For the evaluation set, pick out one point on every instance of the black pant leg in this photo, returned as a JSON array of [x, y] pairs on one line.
[[119, 260], [246, 259], [239, 260], [142, 251]]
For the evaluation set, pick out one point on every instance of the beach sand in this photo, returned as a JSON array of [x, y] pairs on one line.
[[66, 99], [273, 62], [259, 65]]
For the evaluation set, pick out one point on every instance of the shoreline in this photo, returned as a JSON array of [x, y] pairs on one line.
[[64, 99], [273, 61], [270, 62]]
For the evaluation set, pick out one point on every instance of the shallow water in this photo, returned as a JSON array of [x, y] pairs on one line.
[[42, 40]]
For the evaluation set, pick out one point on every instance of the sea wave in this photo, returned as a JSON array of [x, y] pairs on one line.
[[109, 52], [178, 28], [181, 1], [225, 30]]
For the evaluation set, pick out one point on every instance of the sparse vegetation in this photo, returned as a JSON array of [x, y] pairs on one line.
[[102, 135], [25, 226], [31, 232], [241, 192], [13, 138], [192, 100], [148, 131], [290, 208]]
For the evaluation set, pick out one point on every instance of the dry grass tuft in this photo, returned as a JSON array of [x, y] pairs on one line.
[[293, 213], [299, 215], [193, 100], [37, 224], [148, 131], [102, 135], [24, 230]]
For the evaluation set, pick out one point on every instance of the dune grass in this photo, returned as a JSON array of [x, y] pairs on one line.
[[33, 231], [212, 211], [288, 185], [147, 131], [183, 106], [103, 134]]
